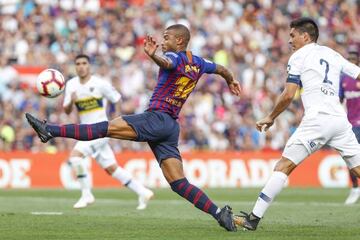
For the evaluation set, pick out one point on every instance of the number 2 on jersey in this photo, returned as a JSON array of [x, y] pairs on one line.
[[326, 71]]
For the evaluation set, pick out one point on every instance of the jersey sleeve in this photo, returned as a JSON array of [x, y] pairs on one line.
[[67, 94], [207, 66], [173, 57], [349, 68], [294, 68], [110, 92]]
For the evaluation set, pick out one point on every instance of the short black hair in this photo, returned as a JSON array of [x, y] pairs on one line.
[[181, 30], [81, 55], [308, 25]]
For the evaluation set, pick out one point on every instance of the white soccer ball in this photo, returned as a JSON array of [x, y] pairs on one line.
[[50, 83]]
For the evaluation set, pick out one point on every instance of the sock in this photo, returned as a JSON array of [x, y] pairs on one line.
[[125, 178], [354, 180], [81, 173], [79, 131], [272, 188], [195, 196]]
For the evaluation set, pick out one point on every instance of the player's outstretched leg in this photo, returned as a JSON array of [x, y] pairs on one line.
[[82, 132], [354, 194]]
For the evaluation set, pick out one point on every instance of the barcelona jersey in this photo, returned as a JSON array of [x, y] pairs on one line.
[[175, 85]]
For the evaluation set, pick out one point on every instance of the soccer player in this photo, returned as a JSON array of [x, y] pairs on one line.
[[350, 91], [90, 95], [179, 72], [316, 69]]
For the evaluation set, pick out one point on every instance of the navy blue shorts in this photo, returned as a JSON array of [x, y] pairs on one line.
[[159, 130], [356, 130]]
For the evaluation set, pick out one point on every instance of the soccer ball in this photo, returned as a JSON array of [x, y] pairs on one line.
[[50, 83]]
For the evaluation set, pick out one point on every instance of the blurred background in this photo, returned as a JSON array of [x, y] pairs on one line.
[[248, 37]]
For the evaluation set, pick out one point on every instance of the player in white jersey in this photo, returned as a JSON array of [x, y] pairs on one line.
[[316, 69], [90, 95]]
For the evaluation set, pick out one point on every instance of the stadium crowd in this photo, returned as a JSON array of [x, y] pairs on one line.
[[249, 37]]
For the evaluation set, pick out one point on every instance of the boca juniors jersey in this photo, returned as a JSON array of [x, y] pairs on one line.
[[91, 98], [175, 85]]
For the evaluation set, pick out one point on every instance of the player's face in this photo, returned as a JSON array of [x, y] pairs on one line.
[[82, 67], [169, 41], [297, 39]]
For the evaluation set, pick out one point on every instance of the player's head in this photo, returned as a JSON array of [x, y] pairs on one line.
[[303, 31], [354, 54], [175, 38], [82, 65]]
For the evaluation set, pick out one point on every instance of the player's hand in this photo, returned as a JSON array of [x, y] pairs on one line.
[[150, 45], [264, 124], [235, 88]]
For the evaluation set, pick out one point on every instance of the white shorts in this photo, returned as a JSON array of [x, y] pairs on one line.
[[323, 129], [98, 149]]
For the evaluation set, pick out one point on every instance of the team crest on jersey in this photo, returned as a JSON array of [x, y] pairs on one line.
[[92, 89], [312, 144], [288, 68]]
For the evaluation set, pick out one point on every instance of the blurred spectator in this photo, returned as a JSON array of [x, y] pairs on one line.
[[250, 37]]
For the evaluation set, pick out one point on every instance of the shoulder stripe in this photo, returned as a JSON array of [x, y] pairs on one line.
[[189, 56]]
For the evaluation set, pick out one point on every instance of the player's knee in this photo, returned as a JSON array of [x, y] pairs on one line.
[[111, 169], [356, 171], [284, 165]]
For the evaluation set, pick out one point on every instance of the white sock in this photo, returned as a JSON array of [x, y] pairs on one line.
[[125, 178], [272, 188], [82, 174]]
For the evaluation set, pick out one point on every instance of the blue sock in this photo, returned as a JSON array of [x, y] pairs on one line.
[[79, 131], [195, 196]]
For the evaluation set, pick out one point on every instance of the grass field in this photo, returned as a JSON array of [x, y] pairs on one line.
[[297, 214]]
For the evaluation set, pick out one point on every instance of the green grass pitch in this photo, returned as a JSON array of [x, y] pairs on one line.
[[296, 214]]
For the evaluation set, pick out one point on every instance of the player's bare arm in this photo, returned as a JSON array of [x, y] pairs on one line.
[[234, 85], [281, 104], [150, 47], [68, 108]]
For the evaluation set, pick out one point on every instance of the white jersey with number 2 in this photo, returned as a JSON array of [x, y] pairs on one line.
[[318, 69]]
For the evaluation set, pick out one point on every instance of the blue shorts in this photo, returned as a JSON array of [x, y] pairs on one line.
[[159, 130], [356, 130]]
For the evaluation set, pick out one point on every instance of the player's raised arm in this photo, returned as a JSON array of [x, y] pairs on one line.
[[234, 85], [150, 47]]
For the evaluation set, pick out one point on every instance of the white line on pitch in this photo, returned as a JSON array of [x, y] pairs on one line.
[[46, 213]]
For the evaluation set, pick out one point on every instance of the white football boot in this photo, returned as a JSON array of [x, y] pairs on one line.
[[353, 196], [84, 201], [144, 199]]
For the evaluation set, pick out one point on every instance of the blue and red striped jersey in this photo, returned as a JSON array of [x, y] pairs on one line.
[[175, 85]]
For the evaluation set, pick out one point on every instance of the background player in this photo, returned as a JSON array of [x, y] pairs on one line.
[[90, 95], [317, 70], [178, 75], [350, 91]]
